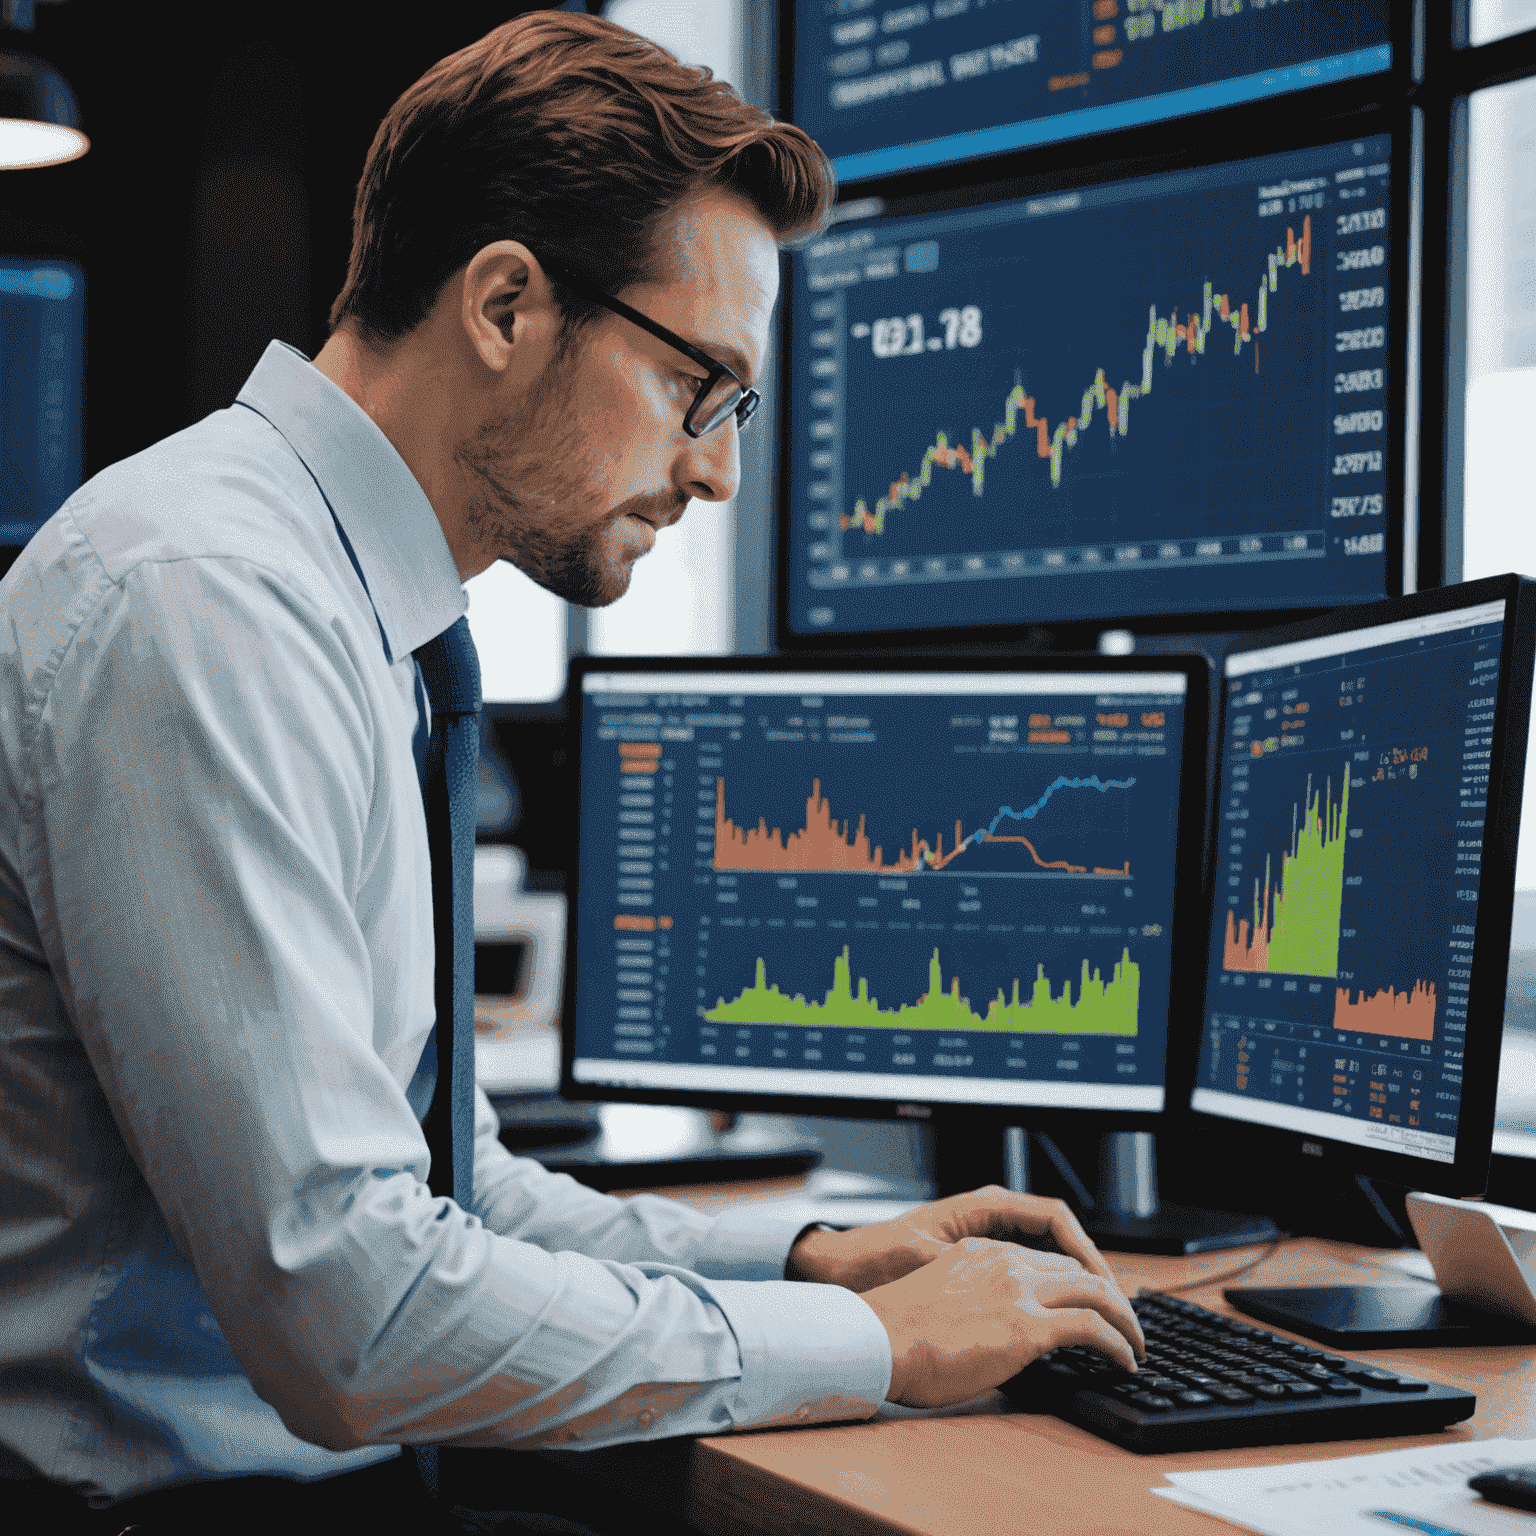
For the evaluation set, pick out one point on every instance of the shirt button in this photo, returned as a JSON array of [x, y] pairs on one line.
[[647, 1417]]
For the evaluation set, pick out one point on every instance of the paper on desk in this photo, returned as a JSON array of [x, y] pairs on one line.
[[1428, 1483]]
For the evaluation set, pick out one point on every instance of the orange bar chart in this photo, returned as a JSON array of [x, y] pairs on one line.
[[1402, 1015]]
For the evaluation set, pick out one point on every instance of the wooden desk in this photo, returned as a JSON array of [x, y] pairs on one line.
[[987, 1467]]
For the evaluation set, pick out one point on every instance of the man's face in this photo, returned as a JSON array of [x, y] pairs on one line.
[[573, 480]]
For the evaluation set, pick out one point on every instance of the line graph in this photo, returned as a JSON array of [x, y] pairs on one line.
[[824, 845], [1166, 334]]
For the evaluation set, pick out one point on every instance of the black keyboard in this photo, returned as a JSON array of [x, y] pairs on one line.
[[1211, 1381]]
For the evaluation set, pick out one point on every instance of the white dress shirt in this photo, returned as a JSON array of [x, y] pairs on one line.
[[218, 1253]]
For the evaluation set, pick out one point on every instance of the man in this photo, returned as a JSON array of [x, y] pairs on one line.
[[224, 1282]]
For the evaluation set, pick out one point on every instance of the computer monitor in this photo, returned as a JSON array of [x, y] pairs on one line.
[[1361, 883], [42, 391], [1171, 401], [901, 87], [884, 889]]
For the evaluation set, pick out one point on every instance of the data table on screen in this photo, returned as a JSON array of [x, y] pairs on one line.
[[959, 890], [1353, 797], [889, 88], [1164, 395]]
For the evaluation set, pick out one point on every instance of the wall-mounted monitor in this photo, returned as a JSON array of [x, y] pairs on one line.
[[886, 88], [1165, 400], [42, 391]]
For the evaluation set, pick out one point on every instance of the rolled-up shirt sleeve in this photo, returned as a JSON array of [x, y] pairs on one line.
[[205, 768]]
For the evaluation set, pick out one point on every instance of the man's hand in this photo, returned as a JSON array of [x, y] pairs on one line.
[[978, 1314], [860, 1259]]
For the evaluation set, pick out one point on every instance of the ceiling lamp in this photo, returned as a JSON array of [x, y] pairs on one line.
[[39, 120]]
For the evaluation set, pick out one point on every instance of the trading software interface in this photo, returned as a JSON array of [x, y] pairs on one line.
[[1161, 395], [42, 319], [888, 87], [1354, 793], [950, 887]]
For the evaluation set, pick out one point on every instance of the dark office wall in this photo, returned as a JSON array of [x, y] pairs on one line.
[[214, 209], [213, 213], [248, 258]]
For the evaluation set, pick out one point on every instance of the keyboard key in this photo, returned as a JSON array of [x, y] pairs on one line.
[[1193, 1399], [1236, 1394], [1152, 1402], [1302, 1389], [1338, 1386]]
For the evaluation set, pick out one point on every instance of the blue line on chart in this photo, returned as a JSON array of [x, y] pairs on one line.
[[1062, 783], [1095, 782]]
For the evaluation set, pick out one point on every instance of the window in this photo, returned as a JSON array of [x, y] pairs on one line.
[[681, 600], [519, 631], [1499, 510], [1492, 19]]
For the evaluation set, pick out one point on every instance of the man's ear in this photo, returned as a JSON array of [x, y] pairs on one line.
[[505, 300]]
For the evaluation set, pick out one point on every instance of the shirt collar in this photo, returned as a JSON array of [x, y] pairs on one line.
[[399, 543]]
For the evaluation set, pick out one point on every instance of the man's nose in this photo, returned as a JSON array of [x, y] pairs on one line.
[[709, 468]]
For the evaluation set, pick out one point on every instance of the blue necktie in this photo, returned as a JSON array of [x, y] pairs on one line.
[[450, 671]]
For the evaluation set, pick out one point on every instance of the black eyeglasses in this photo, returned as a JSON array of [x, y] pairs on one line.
[[722, 394]]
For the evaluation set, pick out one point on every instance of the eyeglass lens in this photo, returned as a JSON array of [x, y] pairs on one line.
[[724, 396]]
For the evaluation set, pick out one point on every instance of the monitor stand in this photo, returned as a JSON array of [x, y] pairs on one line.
[[1128, 1216], [1378, 1316], [1483, 1257]]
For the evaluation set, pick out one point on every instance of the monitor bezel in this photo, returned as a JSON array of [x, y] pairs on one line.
[[1248, 1143], [1254, 116], [1185, 944], [1080, 633]]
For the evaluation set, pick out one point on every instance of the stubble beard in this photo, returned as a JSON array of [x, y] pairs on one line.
[[531, 504]]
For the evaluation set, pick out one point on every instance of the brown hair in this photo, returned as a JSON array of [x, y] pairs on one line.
[[570, 134]]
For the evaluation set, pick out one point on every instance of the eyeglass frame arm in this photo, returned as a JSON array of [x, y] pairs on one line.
[[579, 285]]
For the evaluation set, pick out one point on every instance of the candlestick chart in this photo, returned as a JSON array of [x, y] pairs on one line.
[[1137, 383], [1166, 335]]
